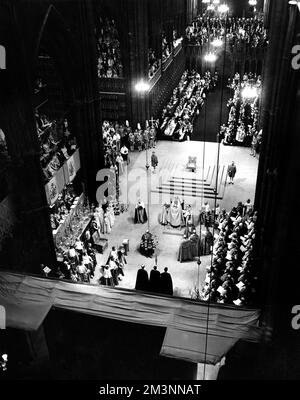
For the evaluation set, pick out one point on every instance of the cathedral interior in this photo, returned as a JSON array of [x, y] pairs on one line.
[[149, 155]]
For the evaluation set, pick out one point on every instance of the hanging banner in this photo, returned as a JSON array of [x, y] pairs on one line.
[[76, 159], [62, 177], [73, 165], [71, 168], [52, 190]]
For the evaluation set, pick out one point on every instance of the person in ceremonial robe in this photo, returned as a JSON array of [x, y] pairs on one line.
[[124, 153], [131, 140], [166, 283], [142, 279], [175, 213], [154, 161], [188, 215], [154, 284], [190, 227], [185, 250], [99, 217], [147, 245], [164, 217], [195, 241], [140, 214], [207, 241]]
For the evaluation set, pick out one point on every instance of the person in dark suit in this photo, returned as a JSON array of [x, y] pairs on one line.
[[166, 283], [142, 279], [231, 172], [154, 280]]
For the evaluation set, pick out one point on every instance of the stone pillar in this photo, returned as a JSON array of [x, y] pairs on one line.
[[33, 242]]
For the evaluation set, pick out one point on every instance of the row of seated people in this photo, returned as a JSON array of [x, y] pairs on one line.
[[239, 31], [3, 144], [153, 63], [57, 143], [77, 264], [109, 52], [166, 48], [242, 123], [231, 277], [178, 116], [194, 244], [118, 139], [156, 281], [62, 207], [111, 272]]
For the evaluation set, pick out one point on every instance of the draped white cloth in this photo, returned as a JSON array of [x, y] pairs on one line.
[[28, 299]]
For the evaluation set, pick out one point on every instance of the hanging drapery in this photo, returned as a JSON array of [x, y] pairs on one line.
[[28, 299]]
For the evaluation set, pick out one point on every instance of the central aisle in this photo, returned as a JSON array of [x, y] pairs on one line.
[[212, 109], [172, 158]]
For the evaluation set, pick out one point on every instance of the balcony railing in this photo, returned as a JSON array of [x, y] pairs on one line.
[[155, 78], [117, 85]]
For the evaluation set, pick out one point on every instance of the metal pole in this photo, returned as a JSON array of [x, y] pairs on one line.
[[148, 188]]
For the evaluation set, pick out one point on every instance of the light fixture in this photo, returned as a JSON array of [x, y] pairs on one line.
[[216, 1], [142, 86], [217, 42], [295, 3], [223, 8], [210, 57], [211, 7], [252, 2], [249, 92], [205, 1]]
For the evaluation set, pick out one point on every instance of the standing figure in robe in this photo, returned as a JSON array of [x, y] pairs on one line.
[[147, 245], [99, 217], [175, 213], [164, 217], [154, 284], [207, 242], [140, 214], [185, 250], [195, 240], [187, 215], [142, 279], [190, 227], [166, 283]]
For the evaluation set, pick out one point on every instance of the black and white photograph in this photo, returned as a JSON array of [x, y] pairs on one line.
[[149, 194]]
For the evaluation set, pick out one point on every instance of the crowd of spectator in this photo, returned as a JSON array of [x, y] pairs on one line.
[[57, 143], [242, 126], [166, 48], [249, 32], [62, 207], [186, 101], [232, 278], [110, 274], [77, 264], [119, 139], [109, 51], [153, 63], [3, 145]]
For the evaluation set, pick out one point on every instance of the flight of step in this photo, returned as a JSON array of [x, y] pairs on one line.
[[192, 186]]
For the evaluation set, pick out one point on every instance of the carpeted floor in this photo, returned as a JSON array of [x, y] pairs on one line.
[[207, 124]]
